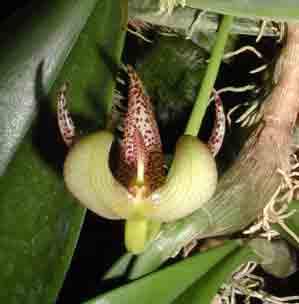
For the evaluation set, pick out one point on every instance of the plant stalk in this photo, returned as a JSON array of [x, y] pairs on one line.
[[202, 100]]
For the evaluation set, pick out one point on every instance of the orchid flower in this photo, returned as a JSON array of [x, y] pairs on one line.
[[139, 190]]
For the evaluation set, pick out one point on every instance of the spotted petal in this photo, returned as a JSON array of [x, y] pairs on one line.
[[141, 139]]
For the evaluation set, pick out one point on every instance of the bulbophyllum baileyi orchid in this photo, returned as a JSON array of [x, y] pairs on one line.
[[139, 190]]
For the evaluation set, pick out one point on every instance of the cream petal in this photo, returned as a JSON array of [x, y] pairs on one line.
[[88, 177], [190, 183]]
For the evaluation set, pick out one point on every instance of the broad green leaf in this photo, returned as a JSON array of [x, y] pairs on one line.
[[199, 28], [39, 227], [266, 9], [165, 285], [269, 254], [203, 290], [34, 44], [39, 220]]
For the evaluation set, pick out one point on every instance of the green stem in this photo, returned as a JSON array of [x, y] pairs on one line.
[[208, 82], [138, 232]]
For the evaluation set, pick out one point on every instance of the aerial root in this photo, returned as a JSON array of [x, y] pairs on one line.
[[167, 6], [259, 69], [246, 284], [246, 48], [262, 30], [275, 212], [250, 117], [139, 27]]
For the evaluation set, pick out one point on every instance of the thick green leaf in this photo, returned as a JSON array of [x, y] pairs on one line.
[[203, 290], [267, 9], [39, 220], [273, 255], [165, 285], [38, 229], [183, 20], [34, 45]]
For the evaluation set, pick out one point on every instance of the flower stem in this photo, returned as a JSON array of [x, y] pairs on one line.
[[202, 100], [138, 232]]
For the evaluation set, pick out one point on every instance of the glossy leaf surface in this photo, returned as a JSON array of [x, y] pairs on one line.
[[33, 49], [164, 286], [203, 290], [39, 220]]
